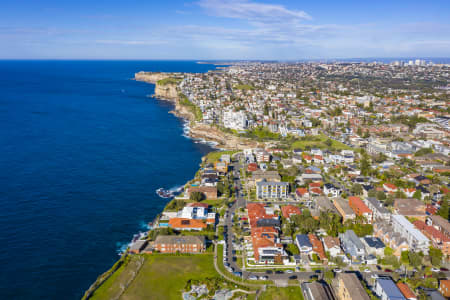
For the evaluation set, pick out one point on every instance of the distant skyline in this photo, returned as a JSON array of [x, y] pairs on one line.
[[223, 29]]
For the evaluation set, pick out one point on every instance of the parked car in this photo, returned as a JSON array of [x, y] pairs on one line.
[[263, 278], [337, 271], [444, 269], [435, 270], [253, 277], [279, 272], [367, 270], [269, 272], [388, 270], [293, 277], [289, 271]]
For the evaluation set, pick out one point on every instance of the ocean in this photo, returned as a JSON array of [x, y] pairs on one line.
[[82, 151]]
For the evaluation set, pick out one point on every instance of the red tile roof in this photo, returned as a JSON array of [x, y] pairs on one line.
[[184, 223], [317, 246], [358, 206], [406, 291], [289, 210]]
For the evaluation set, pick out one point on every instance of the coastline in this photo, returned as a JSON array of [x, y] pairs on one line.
[[197, 131]]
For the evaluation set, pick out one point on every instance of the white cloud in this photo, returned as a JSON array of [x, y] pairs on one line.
[[131, 42], [251, 11]]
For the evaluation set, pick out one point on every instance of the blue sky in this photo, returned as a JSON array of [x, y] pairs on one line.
[[223, 29]]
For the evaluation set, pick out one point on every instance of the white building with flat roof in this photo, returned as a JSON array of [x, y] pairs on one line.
[[417, 241]]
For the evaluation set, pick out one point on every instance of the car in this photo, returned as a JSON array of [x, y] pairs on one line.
[[269, 272], [289, 271], [253, 277], [367, 270], [263, 278], [337, 271], [398, 270], [318, 271], [279, 272], [293, 277], [444, 269], [388, 270], [435, 270], [238, 274]]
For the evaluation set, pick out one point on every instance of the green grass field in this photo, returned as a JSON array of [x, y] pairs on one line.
[[211, 157], [287, 293], [160, 277], [318, 142]]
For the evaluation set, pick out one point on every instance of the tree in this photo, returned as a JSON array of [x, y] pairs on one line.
[[418, 195], [443, 211], [292, 249], [357, 189], [381, 195], [196, 196], [435, 256], [364, 165], [372, 193], [388, 251], [404, 257], [415, 259], [423, 151]]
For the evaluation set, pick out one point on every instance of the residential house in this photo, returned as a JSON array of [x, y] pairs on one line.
[[330, 189], [289, 210], [210, 192], [187, 224], [373, 245], [438, 238], [390, 188], [303, 243], [360, 208], [444, 287], [302, 193], [332, 245], [344, 209], [348, 287], [406, 291], [379, 211], [317, 247], [386, 289], [352, 245], [181, 244]]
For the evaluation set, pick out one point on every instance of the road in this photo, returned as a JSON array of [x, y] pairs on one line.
[[228, 232]]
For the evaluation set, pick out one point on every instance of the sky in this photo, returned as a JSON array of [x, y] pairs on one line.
[[223, 29]]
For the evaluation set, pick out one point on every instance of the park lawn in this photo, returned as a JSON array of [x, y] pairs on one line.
[[318, 141], [277, 293], [161, 277], [214, 156]]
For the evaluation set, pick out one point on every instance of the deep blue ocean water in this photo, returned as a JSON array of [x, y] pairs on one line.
[[82, 151]]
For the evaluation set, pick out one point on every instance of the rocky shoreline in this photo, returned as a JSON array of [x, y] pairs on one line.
[[169, 92]]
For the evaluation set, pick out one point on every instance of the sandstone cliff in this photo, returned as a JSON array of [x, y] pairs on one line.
[[169, 91], [150, 77]]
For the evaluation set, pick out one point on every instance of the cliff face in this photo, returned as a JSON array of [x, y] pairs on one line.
[[167, 91], [150, 77]]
